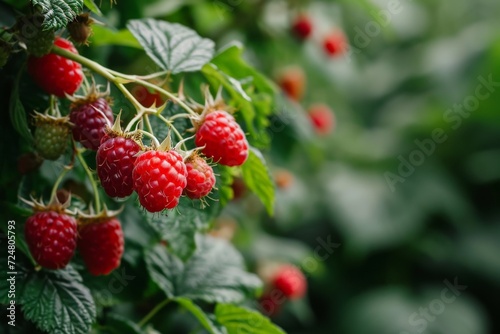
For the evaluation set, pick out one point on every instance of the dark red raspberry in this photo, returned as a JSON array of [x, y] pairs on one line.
[[335, 44], [100, 244], [291, 281], [223, 139], [292, 81], [90, 118], [322, 119], [115, 162], [55, 74], [159, 179], [200, 177], [302, 26], [51, 238], [147, 98]]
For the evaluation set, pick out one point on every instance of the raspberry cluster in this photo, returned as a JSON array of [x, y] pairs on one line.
[[53, 235]]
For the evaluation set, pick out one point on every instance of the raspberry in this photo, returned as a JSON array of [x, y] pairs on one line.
[[239, 188], [290, 281], [90, 117], [292, 81], [80, 28], [322, 119], [37, 40], [302, 26], [147, 98], [101, 245], [51, 238], [335, 44], [159, 178], [223, 139], [55, 74], [283, 179], [115, 162], [200, 177], [51, 136]]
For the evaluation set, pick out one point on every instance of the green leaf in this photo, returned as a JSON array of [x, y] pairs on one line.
[[106, 36], [202, 317], [57, 302], [90, 4], [179, 227], [252, 92], [240, 320], [58, 13], [18, 114], [119, 324], [172, 46], [215, 273], [258, 180]]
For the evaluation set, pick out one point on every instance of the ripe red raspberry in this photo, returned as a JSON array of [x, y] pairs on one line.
[[335, 44], [322, 119], [293, 81], [147, 98], [51, 238], [223, 139], [101, 245], [90, 117], [159, 179], [291, 281], [302, 26], [200, 177], [115, 161], [55, 74]]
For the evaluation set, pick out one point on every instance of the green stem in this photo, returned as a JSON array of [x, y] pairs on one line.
[[58, 182], [99, 69], [92, 180], [177, 133], [154, 87], [153, 312]]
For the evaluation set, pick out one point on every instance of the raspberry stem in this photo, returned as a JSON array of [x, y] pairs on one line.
[[53, 193], [153, 312], [97, 200], [118, 79]]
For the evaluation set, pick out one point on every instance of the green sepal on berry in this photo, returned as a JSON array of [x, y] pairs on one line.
[[30, 32], [51, 135]]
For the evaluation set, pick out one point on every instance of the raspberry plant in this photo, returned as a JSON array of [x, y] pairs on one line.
[[136, 190]]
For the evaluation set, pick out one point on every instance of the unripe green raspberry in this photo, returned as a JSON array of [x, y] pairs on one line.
[[51, 135]]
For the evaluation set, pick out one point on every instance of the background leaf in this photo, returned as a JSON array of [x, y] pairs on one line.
[[172, 46], [202, 317], [258, 179], [58, 13], [215, 273], [239, 320], [57, 302], [90, 4]]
